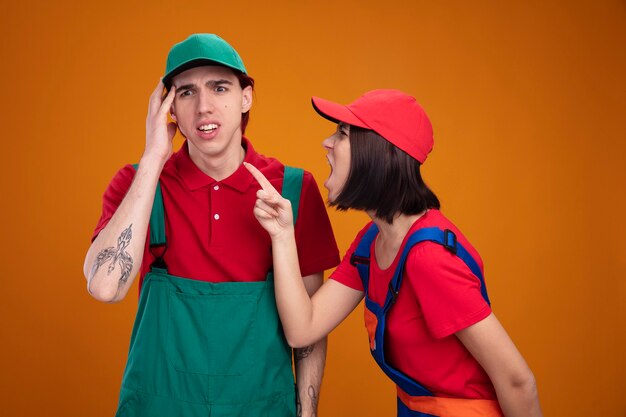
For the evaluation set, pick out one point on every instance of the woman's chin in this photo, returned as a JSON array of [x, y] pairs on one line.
[[331, 195], [333, 190]]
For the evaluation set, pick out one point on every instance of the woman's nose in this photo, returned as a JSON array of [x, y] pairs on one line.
[[328, 143]]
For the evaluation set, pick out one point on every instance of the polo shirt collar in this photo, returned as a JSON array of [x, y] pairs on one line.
[[195, 179]]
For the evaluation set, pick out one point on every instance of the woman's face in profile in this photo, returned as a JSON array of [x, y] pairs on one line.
[[338, 147]]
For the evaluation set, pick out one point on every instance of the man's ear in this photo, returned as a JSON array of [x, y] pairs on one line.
[[173, 114], [246, 99]]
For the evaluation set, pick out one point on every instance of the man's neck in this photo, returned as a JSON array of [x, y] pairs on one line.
[[219, 166]]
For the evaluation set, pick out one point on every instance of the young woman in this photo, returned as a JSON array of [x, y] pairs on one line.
[[427, 312]]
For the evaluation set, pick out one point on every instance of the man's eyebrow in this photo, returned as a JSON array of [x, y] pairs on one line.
[[221, 81], [210, 83], [185, 87]]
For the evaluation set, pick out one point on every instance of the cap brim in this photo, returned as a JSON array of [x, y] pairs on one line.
[[192, 63], [336, 113]]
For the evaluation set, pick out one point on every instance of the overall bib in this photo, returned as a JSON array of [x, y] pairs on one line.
[[207, 349], [414, 400]]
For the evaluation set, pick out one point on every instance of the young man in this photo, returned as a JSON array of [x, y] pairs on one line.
[[207, 339]]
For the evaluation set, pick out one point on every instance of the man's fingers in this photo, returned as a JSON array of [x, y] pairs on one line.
[[168, 100], [155, 98], [158, 90], [263, 182]]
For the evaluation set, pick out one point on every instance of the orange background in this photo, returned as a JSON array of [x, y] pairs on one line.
[[528, 102]]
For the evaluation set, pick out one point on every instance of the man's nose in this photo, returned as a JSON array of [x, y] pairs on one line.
[[205, 102]]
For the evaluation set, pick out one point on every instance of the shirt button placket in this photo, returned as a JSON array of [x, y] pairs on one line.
[[216, 216]]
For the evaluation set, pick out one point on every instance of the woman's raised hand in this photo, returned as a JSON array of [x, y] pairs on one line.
[[271, 209]]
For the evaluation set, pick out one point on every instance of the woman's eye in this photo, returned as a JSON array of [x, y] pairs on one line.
[[342, 130]]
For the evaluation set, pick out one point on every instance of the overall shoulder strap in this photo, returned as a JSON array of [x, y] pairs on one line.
[[157, 218], [445, 238], [361, 255], [292, 188]]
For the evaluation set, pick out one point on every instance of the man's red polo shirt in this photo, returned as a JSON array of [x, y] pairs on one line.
[[212, 233]]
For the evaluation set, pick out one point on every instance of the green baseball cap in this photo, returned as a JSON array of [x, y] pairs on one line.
[[201, 49]]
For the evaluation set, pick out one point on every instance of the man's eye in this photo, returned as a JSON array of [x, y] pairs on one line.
[[185, 93], [220, 89]]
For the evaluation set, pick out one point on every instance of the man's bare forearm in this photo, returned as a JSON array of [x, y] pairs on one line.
[[309, 364], [115, 256]]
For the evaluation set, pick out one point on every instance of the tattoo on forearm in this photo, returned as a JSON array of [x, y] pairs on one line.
[[116, 255], [313, 397], [302, 353], [298, 405]]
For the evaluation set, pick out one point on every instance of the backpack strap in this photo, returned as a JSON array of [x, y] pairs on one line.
[[292, 188]]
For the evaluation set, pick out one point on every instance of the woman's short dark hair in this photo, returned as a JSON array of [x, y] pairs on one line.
[[383, 179]]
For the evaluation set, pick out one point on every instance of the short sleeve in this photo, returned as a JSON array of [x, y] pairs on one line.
[[113, 196], [346, 273], [317, 248], [447, 291]]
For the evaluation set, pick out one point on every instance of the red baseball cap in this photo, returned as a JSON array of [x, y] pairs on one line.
[[392, 114]]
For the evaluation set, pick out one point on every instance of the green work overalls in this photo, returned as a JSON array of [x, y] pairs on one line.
[[207, 349]]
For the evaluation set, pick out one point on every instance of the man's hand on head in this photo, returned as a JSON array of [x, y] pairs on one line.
[[160, 133]]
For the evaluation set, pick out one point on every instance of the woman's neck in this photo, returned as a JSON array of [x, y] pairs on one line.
[[391, 236]]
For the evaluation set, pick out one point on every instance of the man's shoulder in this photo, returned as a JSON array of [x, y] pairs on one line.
[[170, 168], [274, 169], [123, 177], [271, 167]]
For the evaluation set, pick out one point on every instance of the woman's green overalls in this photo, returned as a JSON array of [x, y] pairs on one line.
[[207, 349]]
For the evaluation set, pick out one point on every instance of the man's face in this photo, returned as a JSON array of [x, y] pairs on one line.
[[208, 106]]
